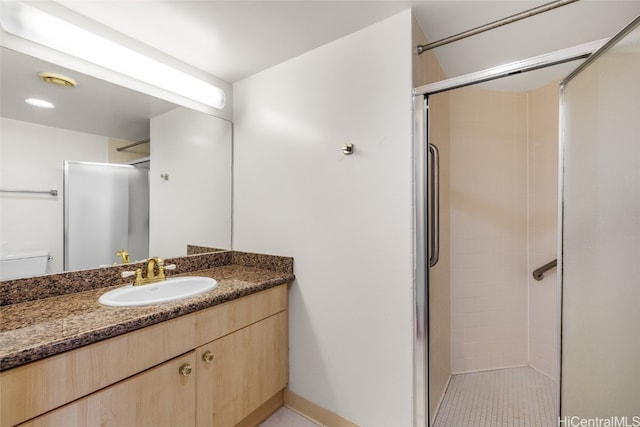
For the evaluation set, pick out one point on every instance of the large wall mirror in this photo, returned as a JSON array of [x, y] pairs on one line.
[[188, 156]]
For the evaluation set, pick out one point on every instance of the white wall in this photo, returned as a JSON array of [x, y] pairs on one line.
[[194, 205], [31, 157], [345, 219]]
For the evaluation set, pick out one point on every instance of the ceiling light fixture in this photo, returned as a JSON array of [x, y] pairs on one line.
[[39, 27], [39, 103], [57, 79]]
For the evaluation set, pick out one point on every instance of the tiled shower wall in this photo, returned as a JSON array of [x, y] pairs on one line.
[[543, 227], [503, 222], [488, 230]]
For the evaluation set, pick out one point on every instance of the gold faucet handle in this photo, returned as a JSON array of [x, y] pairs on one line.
[[138, 280], [138, 273], [160, 263], [126, 274], [162, 268]]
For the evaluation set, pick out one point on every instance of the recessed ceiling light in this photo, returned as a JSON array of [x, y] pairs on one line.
[[57, 79], [39, 103]]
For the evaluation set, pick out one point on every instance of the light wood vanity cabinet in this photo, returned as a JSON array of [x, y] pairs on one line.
[[241, 371], [238, 362], [159, 397]]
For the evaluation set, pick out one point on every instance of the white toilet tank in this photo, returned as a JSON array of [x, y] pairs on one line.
[[23, 264]]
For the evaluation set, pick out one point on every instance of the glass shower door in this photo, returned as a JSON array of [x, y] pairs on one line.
[[106, 209], [600, 248]]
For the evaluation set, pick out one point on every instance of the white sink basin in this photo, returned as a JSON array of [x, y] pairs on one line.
[[171, 289]]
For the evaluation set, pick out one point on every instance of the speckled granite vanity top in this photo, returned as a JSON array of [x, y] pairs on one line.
[[32, 329]]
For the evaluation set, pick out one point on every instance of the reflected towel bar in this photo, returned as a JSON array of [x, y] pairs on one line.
[[538, 273], [49, 192], [133, 144]]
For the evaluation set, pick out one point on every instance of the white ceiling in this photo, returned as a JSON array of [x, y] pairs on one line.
[[235, 39]]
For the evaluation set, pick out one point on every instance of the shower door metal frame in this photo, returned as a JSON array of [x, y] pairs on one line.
[[421, 217], [420, 264]]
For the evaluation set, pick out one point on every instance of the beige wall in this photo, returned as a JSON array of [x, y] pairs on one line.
[[504, 225], [543, 227], [488, 229], [427, 70]]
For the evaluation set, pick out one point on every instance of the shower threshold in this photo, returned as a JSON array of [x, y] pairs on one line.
[[512, 397]]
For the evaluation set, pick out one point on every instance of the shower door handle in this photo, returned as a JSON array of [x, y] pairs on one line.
[[434, 205]]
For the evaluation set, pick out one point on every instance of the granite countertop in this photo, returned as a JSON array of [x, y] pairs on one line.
[[33, 330]]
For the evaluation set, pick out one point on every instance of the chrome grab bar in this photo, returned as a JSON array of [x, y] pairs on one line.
[[434, 205], [538, 273]]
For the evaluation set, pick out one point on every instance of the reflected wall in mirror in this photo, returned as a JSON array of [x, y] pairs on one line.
[[192, 205]]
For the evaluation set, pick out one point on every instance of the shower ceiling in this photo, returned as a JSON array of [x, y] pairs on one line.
[[234, 39]]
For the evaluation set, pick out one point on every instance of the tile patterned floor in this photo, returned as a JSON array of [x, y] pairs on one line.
[[514, 397], [284, 417]]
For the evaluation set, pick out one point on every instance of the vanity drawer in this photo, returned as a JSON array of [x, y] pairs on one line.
[[220, 320]]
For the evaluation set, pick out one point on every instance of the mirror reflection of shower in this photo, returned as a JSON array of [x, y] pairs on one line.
[[106, 210]]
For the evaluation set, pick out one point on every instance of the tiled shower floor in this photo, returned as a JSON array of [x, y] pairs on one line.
[[514, 397]]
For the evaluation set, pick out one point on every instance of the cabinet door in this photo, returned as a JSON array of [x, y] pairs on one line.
[[161, 396], [246, 368]]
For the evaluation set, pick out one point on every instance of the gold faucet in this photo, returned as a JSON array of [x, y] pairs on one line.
[[152, 277], [124, 255]]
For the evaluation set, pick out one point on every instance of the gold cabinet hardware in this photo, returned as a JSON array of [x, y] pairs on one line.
[[207, 356], [185, 370]]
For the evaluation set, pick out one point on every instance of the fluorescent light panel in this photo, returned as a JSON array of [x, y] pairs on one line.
[[39, 27]]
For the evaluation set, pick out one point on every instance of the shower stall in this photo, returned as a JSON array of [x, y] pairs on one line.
[[106, 210], [505, 183]]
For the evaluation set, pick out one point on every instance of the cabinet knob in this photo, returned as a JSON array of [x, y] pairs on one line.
[[207, 356], [185, 370]]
